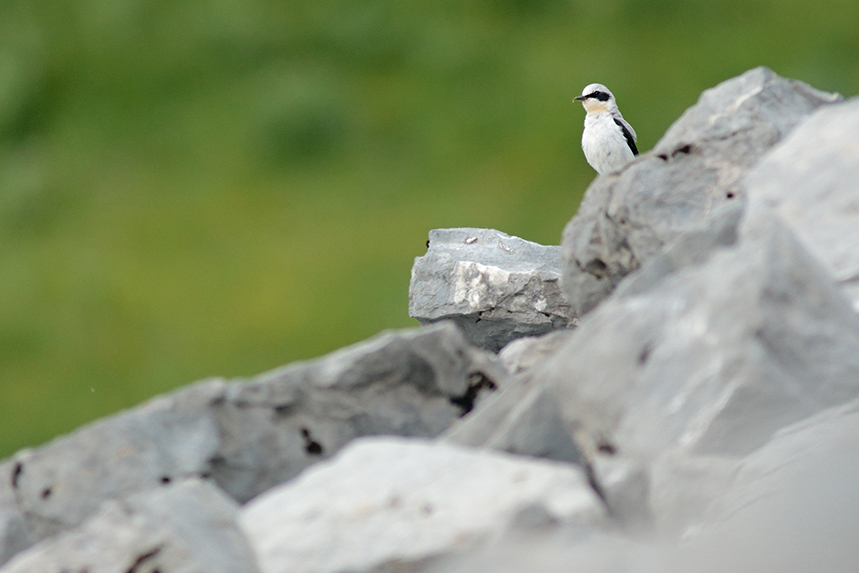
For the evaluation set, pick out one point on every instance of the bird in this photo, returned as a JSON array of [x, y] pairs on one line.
[[608, 140]]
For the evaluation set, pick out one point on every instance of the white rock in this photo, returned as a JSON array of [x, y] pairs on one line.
[[810, 181], [385, 500]]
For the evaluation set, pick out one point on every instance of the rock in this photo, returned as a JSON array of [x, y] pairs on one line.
[[390, 501], [809, 180], [624, 485], [524, 419], [411, 382], [14, 536], [13, 533], [704, 415], [61, 484], [717, 357], [560, 550], [495, 287], [190, 526], [628, 217], [523, 354], [250, 435], [792, 505]]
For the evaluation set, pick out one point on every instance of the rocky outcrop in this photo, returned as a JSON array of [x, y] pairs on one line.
[[247, 436], [697, 167], [809, 181], [189, 526], [434, 499], [701, 416], [495, 287]]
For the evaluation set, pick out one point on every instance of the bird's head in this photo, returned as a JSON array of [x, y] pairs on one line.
[[596, 98]]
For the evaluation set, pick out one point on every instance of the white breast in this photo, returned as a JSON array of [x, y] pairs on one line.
[[605, 147]]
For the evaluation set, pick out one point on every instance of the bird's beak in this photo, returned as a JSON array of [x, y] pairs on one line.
[[580, 98]]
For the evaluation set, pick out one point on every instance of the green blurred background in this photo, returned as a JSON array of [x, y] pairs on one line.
[[219, 187]]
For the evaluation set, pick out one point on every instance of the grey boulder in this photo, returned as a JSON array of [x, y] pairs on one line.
[[792, 505], [696, 168], [250, 435], [61, 484], [717, 357], [413, 382], [810, 181], [185, 527], [395, 503], [494, 286], [707, 365]]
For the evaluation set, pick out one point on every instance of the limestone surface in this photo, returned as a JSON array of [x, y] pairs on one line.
[[696, 168], [494, 286], [388, 502]]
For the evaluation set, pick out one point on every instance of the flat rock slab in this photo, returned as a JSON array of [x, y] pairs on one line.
[[696, 168], [190, 527], [396, 501], [494, 286]]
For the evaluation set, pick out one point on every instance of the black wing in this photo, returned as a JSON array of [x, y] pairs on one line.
[[627, 135]]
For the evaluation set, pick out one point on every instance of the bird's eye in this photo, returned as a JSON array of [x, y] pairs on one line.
[[601, 96]]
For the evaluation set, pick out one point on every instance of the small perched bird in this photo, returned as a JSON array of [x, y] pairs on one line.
[[608, 140]]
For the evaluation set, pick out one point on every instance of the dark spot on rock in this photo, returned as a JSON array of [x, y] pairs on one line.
[[141, 559], [607, 448], [285, 409], [311, 446], [597, 268], [165, 480], [730, 195], [477, 381], [595, 484], [16, 474], [46, 493], [644, 354], [685, 149]]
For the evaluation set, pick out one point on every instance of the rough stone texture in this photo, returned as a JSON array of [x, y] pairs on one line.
[[523, 354], [718, 357], [627, 217], [792, 505], [62, 483], [525, 419], [385, 500], [187, 527], [704, 417], [809, 180], [13, 528], [248, 436], [408, 383], [495, 287]]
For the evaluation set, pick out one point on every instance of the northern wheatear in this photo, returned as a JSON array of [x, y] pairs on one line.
[[608, 140]]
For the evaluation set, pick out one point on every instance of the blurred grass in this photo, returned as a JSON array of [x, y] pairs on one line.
[[221, 187]]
